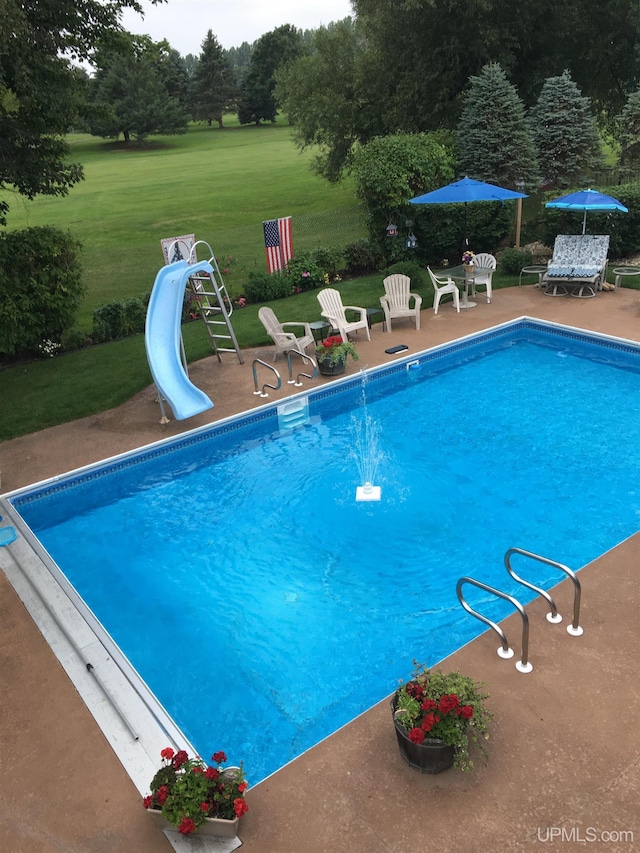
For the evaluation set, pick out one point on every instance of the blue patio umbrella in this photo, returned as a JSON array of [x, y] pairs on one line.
[[587, 200], [466, 190]]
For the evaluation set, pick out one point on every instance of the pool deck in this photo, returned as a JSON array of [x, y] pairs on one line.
[[564, 766]]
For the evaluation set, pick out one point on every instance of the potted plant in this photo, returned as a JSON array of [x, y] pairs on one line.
[[435, 715], [332, 353], [468, 260], [192, 795]]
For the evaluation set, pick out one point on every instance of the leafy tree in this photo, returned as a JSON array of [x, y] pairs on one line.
[[629, 130], [323, 94], [564, 131], [271, 51], [411, 60], [390, 170], [131, 93], [40, 92], [494, 138], [213, 88]]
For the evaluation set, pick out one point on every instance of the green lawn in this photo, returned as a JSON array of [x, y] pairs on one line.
[[218, 184]]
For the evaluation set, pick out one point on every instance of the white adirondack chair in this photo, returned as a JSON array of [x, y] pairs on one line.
[[441, 287], [283, 340], [397, 300], [333, 309]]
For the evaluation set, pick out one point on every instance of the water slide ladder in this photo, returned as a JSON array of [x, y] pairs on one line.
[[216, 307], [523, 665]]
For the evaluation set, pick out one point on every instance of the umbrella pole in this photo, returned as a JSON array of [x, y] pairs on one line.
[[584, 222]]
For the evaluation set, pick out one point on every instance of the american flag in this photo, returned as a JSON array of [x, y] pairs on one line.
[[278, 242]]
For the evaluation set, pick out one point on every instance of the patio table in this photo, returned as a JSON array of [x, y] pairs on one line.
[[459, 273]]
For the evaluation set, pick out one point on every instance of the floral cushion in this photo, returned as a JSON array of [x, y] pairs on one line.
[[578, 255]]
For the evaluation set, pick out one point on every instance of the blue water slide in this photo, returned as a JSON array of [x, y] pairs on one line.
[[162, 338]]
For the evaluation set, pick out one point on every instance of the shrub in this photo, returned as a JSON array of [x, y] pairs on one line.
[[512, 260], [264, 286], [305, 274], [119, 319], [361, 257], [75, 339], [330, 261], [413, 269], [40, 287]]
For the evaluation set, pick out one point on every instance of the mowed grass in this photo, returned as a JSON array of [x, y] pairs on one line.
[[217, 184]]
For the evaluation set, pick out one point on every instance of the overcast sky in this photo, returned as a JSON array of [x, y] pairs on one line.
[[184, 23]]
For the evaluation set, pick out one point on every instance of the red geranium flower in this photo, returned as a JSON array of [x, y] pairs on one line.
[[429, 705], [242, 787], [333, 341], [466, 711], [162, 794], [219, 757], [414, 689], [211, 773], [167, 753], [204, 807], [448, 702], [240, 807], [179, 760], [187, 825], [416, 735], [147, 802]]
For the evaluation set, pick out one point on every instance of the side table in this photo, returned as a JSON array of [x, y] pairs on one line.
[[536, 269], [619, 272], [319, 329], [372, 312]]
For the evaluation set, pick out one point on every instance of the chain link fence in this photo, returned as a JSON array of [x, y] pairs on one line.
[[240, 250]]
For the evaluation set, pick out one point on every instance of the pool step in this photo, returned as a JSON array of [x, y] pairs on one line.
[[293, 414]]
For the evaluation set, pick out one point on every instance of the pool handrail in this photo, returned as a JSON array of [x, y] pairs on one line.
[[305, 359], [574, 629], [263, 393], [523, 665]]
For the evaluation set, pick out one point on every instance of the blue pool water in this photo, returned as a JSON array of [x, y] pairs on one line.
[[265, 608]]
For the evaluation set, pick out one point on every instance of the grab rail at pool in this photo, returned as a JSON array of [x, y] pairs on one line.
[[574, 629], [263, 393], [305, 358], [523, 664]]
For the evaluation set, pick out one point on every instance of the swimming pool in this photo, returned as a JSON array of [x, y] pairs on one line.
[[338, 597]]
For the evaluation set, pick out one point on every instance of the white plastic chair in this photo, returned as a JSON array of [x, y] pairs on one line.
[[397, 300], [486, 261], [333, 309], [284, 341], [442, 287]]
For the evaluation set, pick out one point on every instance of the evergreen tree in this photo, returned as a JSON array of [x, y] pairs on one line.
[[495, 143], [272, 51], [213, 88], [565, 133], [131, 93], [628, 123]]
